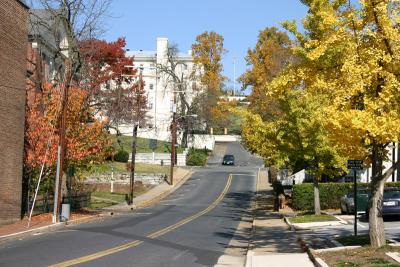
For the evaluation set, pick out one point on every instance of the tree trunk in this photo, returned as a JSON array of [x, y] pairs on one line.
[[133, 158], [185, 134], [317, 203], [398, 157], [376, 226]]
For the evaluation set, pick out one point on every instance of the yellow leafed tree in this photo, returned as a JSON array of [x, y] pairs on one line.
[[350, 55]]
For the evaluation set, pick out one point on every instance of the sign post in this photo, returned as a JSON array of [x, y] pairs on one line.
[[355, 165], [153, 147]]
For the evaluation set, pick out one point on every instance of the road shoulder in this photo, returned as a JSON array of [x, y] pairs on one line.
[[153, 196]]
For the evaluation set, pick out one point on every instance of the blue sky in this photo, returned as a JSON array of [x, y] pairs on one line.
[[239, 21]]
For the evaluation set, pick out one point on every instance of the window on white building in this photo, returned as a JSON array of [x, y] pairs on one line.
[[151, 86]]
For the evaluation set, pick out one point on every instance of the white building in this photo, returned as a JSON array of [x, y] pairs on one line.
[[159, 90], [365, 175]]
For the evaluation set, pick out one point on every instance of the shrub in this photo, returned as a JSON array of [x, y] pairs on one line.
[[196, 157], [121, 156], [330, 194]]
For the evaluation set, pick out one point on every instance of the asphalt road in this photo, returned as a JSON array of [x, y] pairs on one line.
[[194, 226]]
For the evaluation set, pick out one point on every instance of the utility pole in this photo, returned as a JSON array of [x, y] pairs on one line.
[[62, 145], [173, 139], [134, 136]]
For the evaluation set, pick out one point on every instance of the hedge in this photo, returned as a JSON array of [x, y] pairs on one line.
[[121, 156], [196, 157], [329, 193]]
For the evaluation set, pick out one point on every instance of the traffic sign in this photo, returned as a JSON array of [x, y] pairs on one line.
[[354, 164], [153, 144]]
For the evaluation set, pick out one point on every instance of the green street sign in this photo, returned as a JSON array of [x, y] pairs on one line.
[[354, 164]]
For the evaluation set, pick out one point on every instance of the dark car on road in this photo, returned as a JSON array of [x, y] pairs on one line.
[[228, 160]]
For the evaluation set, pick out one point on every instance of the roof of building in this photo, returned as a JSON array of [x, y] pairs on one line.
[[41, 25], [23, 3], [152, 54]]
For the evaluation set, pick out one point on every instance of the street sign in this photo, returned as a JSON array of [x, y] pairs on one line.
[[153, 144], [354, 164]]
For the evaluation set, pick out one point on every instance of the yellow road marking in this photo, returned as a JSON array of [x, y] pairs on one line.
[[152, 235]]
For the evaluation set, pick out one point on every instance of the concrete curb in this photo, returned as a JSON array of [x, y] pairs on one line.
[[336, 248], [307, 226], [249, 258], [104, 214], [250, 253], [287, 221], [394, 255], [320, 263]]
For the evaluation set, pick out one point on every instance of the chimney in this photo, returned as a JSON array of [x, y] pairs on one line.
[[162, 45]]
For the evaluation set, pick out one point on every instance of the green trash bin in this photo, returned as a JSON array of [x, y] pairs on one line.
[[362, 201]]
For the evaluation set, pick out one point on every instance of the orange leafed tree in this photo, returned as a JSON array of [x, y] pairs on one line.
[[86, 139]]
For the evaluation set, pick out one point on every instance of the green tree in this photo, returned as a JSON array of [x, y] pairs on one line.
[[296, 139]]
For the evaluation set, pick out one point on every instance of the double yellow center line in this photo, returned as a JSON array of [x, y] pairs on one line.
[[152, 235]]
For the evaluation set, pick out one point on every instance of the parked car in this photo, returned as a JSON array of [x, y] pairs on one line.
[[391, 202], [228, 160], [347, 202]]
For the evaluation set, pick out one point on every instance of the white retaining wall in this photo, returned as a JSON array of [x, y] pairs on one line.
[[158, 158], [227, 138], [200, 141]]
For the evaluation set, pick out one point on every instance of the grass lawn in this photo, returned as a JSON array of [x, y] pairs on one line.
[[312, 218], [101, 200], [107, 166], [364, 256], [142, 144]]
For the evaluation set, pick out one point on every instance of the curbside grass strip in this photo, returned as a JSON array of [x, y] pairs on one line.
[[320, 263]]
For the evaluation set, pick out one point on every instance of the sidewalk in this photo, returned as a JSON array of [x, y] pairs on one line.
[[43, 223], [273, 244]]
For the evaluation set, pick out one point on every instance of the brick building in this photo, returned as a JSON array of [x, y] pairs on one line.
[[13, 50]]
